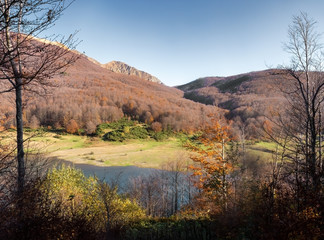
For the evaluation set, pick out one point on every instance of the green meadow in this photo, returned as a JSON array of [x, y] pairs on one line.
[[136, 152]]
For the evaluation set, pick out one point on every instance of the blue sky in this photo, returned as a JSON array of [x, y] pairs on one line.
[[181, 40]]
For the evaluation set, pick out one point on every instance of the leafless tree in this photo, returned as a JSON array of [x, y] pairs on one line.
[[164, 192], [28, 63], [177, 183], [304, 92]]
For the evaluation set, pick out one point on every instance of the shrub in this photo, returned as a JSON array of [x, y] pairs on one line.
[[65, 204], [160, 136], [115, 136], [128, 129], [72, 126], [138, 132], [156, 127]]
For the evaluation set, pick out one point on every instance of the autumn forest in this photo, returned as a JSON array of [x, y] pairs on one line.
[[88, 152]]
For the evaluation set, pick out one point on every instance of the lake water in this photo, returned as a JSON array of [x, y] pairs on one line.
[[121, 174]]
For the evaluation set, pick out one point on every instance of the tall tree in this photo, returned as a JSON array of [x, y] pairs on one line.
[[215, 162], [27, 62], [304, 91]]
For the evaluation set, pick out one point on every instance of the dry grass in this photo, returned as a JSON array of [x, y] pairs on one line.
[[137, 153], [94, 151]]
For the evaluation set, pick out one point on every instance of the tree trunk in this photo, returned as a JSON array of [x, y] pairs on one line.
[[176, 193], [20, 138]]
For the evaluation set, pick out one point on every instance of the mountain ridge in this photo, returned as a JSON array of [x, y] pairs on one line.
[[121, 67], [250, 98], [114, 66]]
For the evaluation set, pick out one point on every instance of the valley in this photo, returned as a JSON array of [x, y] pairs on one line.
[[157, 120], [155, 146]]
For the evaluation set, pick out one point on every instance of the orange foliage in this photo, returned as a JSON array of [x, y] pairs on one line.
[[72, 126], [213, 165], [267, 126]]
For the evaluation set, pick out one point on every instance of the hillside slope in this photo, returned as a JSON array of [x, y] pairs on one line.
[[248, 97], [88, 95]]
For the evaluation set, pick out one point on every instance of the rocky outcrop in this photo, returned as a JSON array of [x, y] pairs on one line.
[[120, 67]]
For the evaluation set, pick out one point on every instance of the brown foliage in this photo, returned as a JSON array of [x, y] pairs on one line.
[[72, 126], [90, 93], [156, 127], [256, 97]]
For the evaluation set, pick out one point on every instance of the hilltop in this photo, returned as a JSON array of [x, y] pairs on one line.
[[120, 67]]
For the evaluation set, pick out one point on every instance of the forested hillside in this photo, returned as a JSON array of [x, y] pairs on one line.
[[249, 98], [87, 95]]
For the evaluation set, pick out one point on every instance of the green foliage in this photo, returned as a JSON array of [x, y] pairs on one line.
[[76, 193], [139, 132], [115, 136], [161, 136], [57, 136], [124, 122], [83, 197], [230, 85], [192, 139], [121, 125], [127, 129]]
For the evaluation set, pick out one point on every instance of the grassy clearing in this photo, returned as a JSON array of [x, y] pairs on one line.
[[263, 150], [94, 151], [139, 152], [52, 142]]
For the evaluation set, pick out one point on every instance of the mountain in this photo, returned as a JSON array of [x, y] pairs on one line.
[[89, 94], [120, 67], [249, 98]]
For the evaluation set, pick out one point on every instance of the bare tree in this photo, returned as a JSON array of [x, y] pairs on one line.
[[26, 62], [175, 169], [305, 92]]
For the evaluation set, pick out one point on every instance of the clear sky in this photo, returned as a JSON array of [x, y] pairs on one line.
[[181, 40]]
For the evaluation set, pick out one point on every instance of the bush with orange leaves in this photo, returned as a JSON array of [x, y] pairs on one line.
[[72, 126], [213, 164]]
